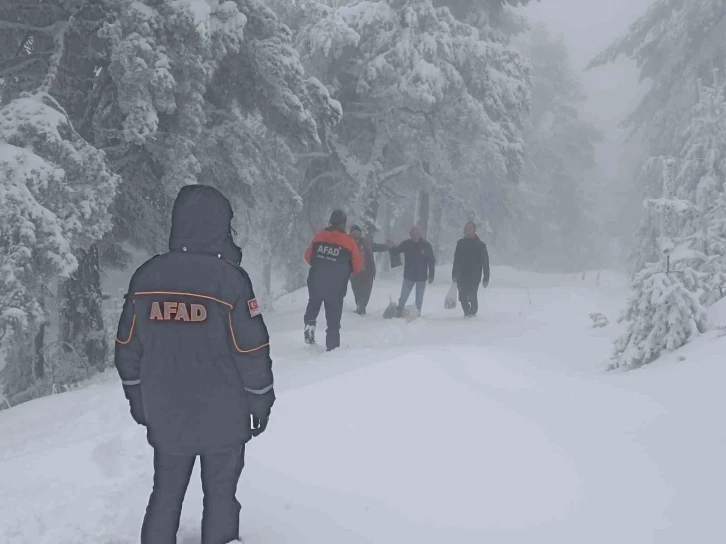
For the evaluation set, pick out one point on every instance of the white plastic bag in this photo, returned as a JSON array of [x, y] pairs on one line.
[[451, 297]]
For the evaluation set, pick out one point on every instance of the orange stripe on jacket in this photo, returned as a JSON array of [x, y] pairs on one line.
[[341, 239], [234, 340], [173, 293], [131, 333]]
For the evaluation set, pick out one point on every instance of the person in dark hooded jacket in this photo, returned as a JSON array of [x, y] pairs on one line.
[[193, 354], [419, 267], [362, 283], [333, 256], [471, 266]]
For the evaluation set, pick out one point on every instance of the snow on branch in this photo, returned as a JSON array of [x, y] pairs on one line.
[[395, 172], [676, 205], [642, 31]]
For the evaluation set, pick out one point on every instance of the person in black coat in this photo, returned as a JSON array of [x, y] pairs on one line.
[[193, 355], [419, 267], [471, 266], [362, 283]]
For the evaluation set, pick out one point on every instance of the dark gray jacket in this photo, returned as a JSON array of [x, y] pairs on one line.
[[471, 262], [192, 349], [420, 264]]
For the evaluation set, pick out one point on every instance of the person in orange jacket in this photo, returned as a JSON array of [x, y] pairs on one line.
[[362, 283], [333, 256]]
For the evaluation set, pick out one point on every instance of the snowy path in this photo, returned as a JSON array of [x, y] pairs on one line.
[[499, 430]]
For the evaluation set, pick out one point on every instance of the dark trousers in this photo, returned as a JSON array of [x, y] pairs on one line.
[[220, 518], [468, 296], [333, 314], [362, 289]]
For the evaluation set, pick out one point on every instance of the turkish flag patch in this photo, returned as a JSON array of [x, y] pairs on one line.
[[254, 307]]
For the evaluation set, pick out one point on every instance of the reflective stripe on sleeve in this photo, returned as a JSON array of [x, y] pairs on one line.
[[130, 382], [260, 391]]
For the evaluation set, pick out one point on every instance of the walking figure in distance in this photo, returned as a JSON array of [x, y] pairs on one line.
[[193, 354], [471, 266], [333, 256], [419, 267], [362, 283]]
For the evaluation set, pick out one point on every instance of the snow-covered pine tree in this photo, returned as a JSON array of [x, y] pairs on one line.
[[150, 104], [646, 245], [662, 315], [36, 54], [54, 198], [701, 180], [673, 43], [663, 311], [415, 84], [265, 111], [256, 167], [179, 79]]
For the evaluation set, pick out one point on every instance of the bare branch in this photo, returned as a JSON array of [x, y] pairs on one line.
[[26, 62], [51, 30], [332, 175], [59, 39]]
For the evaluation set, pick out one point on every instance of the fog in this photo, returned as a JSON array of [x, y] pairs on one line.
[[613, 91]]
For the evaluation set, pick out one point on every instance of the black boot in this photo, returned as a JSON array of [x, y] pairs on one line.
[[310, 334]]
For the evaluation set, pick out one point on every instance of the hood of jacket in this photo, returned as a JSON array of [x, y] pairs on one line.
[[201, 222]]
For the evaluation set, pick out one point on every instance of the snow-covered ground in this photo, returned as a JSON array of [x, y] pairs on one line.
[[502, 429]]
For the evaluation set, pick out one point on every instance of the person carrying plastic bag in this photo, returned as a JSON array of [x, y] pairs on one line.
[[471, 266]]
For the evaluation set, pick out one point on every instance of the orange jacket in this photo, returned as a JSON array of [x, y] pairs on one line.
[[333, 255]]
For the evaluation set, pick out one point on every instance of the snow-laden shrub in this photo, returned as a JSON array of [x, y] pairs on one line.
[[663, 314]]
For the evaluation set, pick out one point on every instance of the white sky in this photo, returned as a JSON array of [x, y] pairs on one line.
[[588, 26]]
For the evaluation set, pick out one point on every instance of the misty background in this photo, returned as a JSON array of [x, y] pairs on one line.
[[613, 90]]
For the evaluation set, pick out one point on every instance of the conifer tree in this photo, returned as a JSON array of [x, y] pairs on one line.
[[663, 311]]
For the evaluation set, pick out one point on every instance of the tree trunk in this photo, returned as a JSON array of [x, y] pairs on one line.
[[371, 211], [82, 313], [267, 271], [423, 211], [437, 216], [383, 261], [267, 282], [39, 355]]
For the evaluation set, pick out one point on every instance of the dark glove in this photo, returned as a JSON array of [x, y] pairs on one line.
[[259, 424], [136, 403], [261, 405], [484, 283], [431, 278]]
